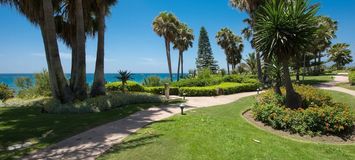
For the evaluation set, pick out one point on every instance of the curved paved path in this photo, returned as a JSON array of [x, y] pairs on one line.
[[90, 144], [332, 85]]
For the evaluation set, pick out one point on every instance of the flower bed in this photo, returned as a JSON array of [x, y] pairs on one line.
[[318, 115]]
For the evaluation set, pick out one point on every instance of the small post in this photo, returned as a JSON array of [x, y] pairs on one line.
[[184, 96], [257, 91], [167, 90], [182, 106]]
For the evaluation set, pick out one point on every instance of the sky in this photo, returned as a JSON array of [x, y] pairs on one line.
[[131, 43]]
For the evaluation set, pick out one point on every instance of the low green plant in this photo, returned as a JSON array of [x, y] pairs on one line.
[[5, 92], [23, 83], [152, 81], [221, 89], [352, 77], [124, 76], [130, 86], [319, 115], [101, 103], [161, 90], [41, 87]]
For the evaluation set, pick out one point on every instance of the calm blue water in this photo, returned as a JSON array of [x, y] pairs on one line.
[[110, 77]]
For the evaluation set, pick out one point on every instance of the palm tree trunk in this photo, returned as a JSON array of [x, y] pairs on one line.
[[98, 87], [178, 71], [53, 85], [167, 47], [293, 99], [182, 65], [74, 56], [58, 81], [228, 68], [80, 85], [258, 63]]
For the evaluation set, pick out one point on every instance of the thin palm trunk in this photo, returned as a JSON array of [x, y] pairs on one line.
[[80, 84], [182, 65], [167, 47], [293, 99], [178, 71], [59, 83], [228, 68], [98, 87], [74, 56], [258, 63]]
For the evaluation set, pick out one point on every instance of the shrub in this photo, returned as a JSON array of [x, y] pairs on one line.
[[161, 90], [5, 92], [223, 88], [198, 91], [318, 116], [101, 103], [41, 88], [152, 81], [352, 77], [197, 82], [131, 86]]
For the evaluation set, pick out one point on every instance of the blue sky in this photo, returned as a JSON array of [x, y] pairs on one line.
[[131, 43]]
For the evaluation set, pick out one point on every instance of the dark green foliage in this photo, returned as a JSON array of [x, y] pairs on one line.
[[23, 83], [221, 89], [152, 81], [352, 77], [5, 92], [129, 85], [197, 82], [205, 57], [124, 77], [320, 115]]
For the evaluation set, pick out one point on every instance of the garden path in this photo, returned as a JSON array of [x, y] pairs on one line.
[[332, 85]]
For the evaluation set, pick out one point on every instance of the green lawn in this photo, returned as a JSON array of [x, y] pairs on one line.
[[347, 86], [23, 124], [343, 98], [312, 80], [220, 133]]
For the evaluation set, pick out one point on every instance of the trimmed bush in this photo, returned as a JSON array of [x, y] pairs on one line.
[[101, 103], [161, 90], [197, 82], [352, 77], [131, 86], [222, 89], [5, 92], [198, 91], [320, 115]]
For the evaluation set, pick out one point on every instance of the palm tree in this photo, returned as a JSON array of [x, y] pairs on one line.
[[282, 29], [250, 6], [166, 25], [41, 13], [340, 54], [102, 10], [124, 77], [251, 62], [236, 52], [183, 42]]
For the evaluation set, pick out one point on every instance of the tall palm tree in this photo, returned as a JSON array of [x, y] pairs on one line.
[[251, 62], [250, 7], [236, 52], [40, 12], [340, 54], [283, 29], [102, 10], [166, 25], [183, 42]]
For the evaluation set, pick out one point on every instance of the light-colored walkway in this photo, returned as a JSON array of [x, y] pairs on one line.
[[92, 143], [332, 85]]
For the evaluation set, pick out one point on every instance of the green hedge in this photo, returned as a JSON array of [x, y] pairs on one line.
[[352, 77], [222, 89], [315, 117], [131, 86], [161, 90]]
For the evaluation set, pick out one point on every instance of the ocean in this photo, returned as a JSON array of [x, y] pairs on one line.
[[109, 77]]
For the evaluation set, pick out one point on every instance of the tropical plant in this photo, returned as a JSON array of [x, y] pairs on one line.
[[124, 76], [251, 62], [232, 45], [102, 9], [40, 12], [283, 29], [152, 81], [274, 70], [340, 54], [205, 57], [183, 42], [166, 25]]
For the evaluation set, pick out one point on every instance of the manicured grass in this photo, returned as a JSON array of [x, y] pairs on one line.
[[343, 98], [219, 133], [312, 80], [347, 86], [22, 124]]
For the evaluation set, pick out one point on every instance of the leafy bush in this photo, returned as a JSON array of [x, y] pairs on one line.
[[153, 81], [197, 82], [41, 88], [101, 103], [5, 92], [131, 86], [222, 89], [352, 77], [319, 116], [161, 90]]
